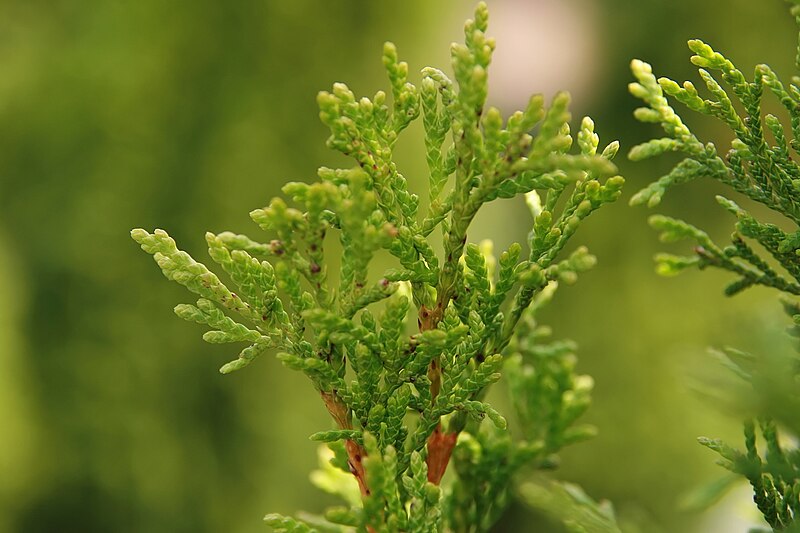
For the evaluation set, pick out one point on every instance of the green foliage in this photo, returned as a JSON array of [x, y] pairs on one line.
[[548, 397], [403, 404], [760, 166]]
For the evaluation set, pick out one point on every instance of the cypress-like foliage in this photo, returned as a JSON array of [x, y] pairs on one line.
[[761, 166], [405, 404]]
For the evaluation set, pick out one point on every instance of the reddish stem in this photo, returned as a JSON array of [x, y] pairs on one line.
[[440, 448], [355, 452], [440, 444]]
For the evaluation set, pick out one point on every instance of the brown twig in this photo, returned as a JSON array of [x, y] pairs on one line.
[[440, 448], [355, 452], [440, 444]]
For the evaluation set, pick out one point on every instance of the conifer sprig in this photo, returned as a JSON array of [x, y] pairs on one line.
[[351, 338], [761, 166]]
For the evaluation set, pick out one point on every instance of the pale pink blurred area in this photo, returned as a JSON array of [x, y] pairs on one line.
[[543, 46]]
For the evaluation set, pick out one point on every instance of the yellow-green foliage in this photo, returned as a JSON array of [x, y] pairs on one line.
[[760, 165], [348, 333]]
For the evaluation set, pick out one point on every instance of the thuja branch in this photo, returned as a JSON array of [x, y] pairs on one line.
[[761, 166], [473, 311]]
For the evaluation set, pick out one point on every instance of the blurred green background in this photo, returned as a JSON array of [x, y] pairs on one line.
[[187, 115]]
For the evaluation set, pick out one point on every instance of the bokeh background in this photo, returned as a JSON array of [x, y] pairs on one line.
[[187, 115]]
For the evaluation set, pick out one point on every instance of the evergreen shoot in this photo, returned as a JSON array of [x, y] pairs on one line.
[[402, 359], [761, 167]]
